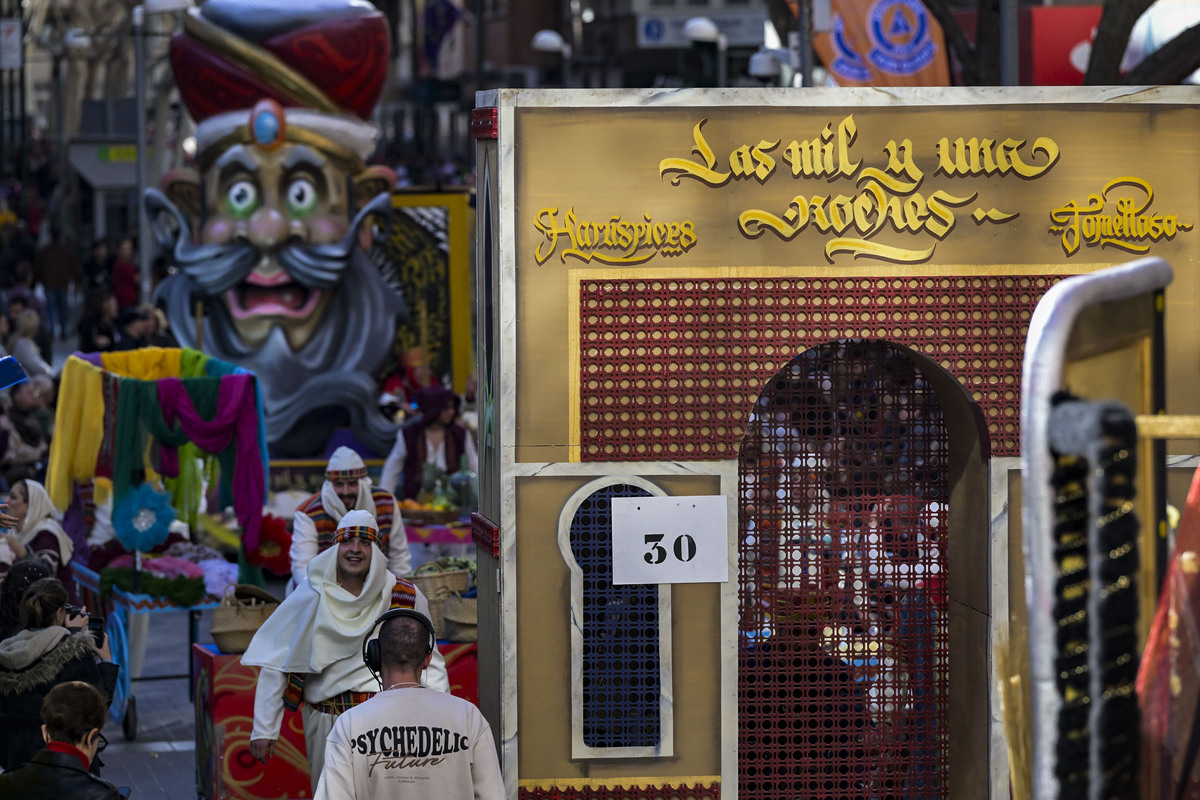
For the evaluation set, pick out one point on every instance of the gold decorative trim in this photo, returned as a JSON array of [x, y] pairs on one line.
[[259, 62], [341, 155]]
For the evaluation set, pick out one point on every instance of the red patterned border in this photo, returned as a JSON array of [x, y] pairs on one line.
[[711, 791], [670, 368], [486, 534]]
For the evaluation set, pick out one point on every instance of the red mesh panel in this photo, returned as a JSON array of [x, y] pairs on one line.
[[842, 675], [669, 369]]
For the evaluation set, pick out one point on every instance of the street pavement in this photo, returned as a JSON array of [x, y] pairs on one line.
[[160, 762]]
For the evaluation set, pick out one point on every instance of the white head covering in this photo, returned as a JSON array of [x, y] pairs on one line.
[[320, 622], [341, 462], [41, 515]]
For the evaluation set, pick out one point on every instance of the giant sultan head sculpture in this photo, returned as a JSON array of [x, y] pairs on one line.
[[272, 232]]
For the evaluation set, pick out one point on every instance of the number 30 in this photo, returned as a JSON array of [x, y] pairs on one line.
[[684, 548]]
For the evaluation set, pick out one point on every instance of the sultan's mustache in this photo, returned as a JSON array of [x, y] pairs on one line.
[[217, 267]]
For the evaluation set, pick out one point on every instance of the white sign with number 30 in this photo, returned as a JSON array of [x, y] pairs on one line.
[[670, 539]]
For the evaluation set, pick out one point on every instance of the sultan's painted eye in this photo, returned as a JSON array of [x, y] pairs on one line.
[[301, 197], [242, 199]]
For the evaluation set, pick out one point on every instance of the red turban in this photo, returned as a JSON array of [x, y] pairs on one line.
[[328, 55]]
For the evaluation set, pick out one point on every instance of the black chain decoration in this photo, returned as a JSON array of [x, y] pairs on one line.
[[1093, 445], [1070, 613]]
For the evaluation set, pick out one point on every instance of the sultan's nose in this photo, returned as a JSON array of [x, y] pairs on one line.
[[267, 229]]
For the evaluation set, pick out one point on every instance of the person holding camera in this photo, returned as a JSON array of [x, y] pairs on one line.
[[43, 654], [72, 719]]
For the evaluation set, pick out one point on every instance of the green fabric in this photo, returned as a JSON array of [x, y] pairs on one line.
[[248, 573], [187, 490], [179, 590], [192, 363], [137, 414], [206, 395]]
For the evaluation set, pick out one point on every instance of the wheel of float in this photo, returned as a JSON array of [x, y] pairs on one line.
[[129, 723], [118, 643]]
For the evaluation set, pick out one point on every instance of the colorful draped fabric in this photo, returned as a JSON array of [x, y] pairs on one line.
[[130, 413], [235, 425], [79, 431]]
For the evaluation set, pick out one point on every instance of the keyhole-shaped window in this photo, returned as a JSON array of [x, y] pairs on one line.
[[620, 636]]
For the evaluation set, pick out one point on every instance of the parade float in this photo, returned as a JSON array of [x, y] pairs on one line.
[[294, 258], [750, 425]]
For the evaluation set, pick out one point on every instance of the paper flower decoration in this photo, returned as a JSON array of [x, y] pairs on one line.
[[142, 518], [274, 546]]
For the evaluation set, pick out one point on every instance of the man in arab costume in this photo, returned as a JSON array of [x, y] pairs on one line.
[[347, 487], [310, 649]]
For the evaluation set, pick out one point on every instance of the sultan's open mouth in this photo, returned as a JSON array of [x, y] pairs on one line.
[[252, 299]]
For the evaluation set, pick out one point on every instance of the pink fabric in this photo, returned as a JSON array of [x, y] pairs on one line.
[[236, 421], [166, 566]]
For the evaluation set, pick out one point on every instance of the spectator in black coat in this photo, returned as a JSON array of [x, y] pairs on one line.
[[39, 657], [98, 326], [72, 718]]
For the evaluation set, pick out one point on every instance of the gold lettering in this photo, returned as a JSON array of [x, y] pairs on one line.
[[612, 242], [1042, 144], [753, 162], [976, 157], [1129, 229], [828, 156], [866, 213], [900, 159], [701, 172]]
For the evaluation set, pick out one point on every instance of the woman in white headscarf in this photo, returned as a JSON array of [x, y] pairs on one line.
[[39, 529]]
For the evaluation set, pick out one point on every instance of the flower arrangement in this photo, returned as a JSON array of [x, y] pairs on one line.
[[142, 519], [274, 546]]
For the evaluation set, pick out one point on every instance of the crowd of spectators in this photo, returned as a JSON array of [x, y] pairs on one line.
[[49, 295]]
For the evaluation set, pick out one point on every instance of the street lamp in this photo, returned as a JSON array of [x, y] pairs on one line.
[[139, 35], [770, 62], [548, 41], [704, 30]]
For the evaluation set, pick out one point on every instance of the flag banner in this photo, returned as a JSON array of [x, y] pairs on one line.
[[884, 43]]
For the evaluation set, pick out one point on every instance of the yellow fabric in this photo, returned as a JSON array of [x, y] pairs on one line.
[[78, 430], [146, 363]]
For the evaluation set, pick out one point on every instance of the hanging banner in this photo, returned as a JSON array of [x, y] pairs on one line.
[[884, 43]]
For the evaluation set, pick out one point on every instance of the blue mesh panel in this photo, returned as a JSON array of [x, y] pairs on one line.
[[621, 683]]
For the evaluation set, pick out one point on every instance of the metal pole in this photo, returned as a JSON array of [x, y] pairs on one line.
[[804, 45], [568, 73], [722, 60], [479, 46], [60, 208], [1010, 70], [139, 35]]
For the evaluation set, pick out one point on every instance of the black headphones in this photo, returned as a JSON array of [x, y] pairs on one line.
[[370, 647]]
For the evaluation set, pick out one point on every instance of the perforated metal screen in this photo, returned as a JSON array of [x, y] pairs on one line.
[[842, 679], [669, 368], [621, 670]]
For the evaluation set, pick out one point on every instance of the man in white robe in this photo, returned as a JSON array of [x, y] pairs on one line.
[[310, 648]]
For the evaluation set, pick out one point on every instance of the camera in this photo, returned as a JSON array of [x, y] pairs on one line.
[[96, 626]]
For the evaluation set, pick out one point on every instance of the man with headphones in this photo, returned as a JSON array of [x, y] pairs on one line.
[[310, 648], [407, 741]]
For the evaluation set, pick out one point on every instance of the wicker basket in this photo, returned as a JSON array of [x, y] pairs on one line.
[[429, 516], [437, 586], [242, 611], [461, 618]]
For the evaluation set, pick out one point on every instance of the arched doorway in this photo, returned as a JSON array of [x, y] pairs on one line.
[[844, 484]]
